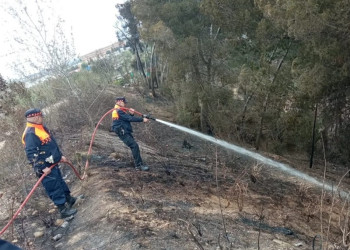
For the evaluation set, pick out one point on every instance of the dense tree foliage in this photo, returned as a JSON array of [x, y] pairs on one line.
[[254, 71]]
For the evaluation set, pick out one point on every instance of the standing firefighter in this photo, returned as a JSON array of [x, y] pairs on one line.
[[122, 127], [42, 152]]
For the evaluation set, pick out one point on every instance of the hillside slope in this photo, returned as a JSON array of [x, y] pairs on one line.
[[196, 196], [177, 205]]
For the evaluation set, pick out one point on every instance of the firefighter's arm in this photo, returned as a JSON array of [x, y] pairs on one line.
[[127, 117], [32, 143], [131, 111]]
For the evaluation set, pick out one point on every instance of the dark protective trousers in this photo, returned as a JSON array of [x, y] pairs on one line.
[[129, 141], [55, 187], [5, 245]]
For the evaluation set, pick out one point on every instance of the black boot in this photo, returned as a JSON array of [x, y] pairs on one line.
[[65, 211], [142, 167], [70, 200]]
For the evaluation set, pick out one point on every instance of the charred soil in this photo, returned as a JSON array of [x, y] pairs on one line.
[[195, 196]]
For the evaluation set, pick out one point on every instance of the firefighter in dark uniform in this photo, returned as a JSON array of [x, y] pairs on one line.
[[121, 125], [42, 151]]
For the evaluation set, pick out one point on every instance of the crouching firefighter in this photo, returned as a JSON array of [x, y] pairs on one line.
[[121, 125], [42, 151]]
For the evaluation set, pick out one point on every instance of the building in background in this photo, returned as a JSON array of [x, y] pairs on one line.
[[100, 53]]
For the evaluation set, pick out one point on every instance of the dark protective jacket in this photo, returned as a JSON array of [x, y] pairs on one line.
[[122, 121], [40, 146]]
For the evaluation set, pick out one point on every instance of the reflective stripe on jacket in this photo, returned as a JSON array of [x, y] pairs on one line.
[[39, 131], [115, 115]]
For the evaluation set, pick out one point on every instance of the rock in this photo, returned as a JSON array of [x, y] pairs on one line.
[[113, 156], [59, 245], [38, 234], [282, 243], [299, 244], [57, 237], [51, 211], [59, 222], [65, 224], [35, 212], [69, 218]]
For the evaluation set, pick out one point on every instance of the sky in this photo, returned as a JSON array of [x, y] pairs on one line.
[[91, 22]]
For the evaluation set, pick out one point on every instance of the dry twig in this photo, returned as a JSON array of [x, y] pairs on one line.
[[191, 234]]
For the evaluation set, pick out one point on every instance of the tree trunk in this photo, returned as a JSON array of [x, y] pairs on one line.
[[151, 72], [261, 123], [162, 73], [203, 116], [313, 138], [242, 128], [139, 63]]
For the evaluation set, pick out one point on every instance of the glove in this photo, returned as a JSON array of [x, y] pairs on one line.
[[38, 172]]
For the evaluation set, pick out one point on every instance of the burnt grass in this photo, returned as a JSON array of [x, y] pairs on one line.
[[197, 197]]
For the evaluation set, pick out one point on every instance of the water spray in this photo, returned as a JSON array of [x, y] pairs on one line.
[[256, 156], [283, 167]]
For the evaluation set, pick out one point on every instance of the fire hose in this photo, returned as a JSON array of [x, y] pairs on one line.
[[32, 191], [70, 164]]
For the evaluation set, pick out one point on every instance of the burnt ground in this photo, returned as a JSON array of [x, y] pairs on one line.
[[196, 196]]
